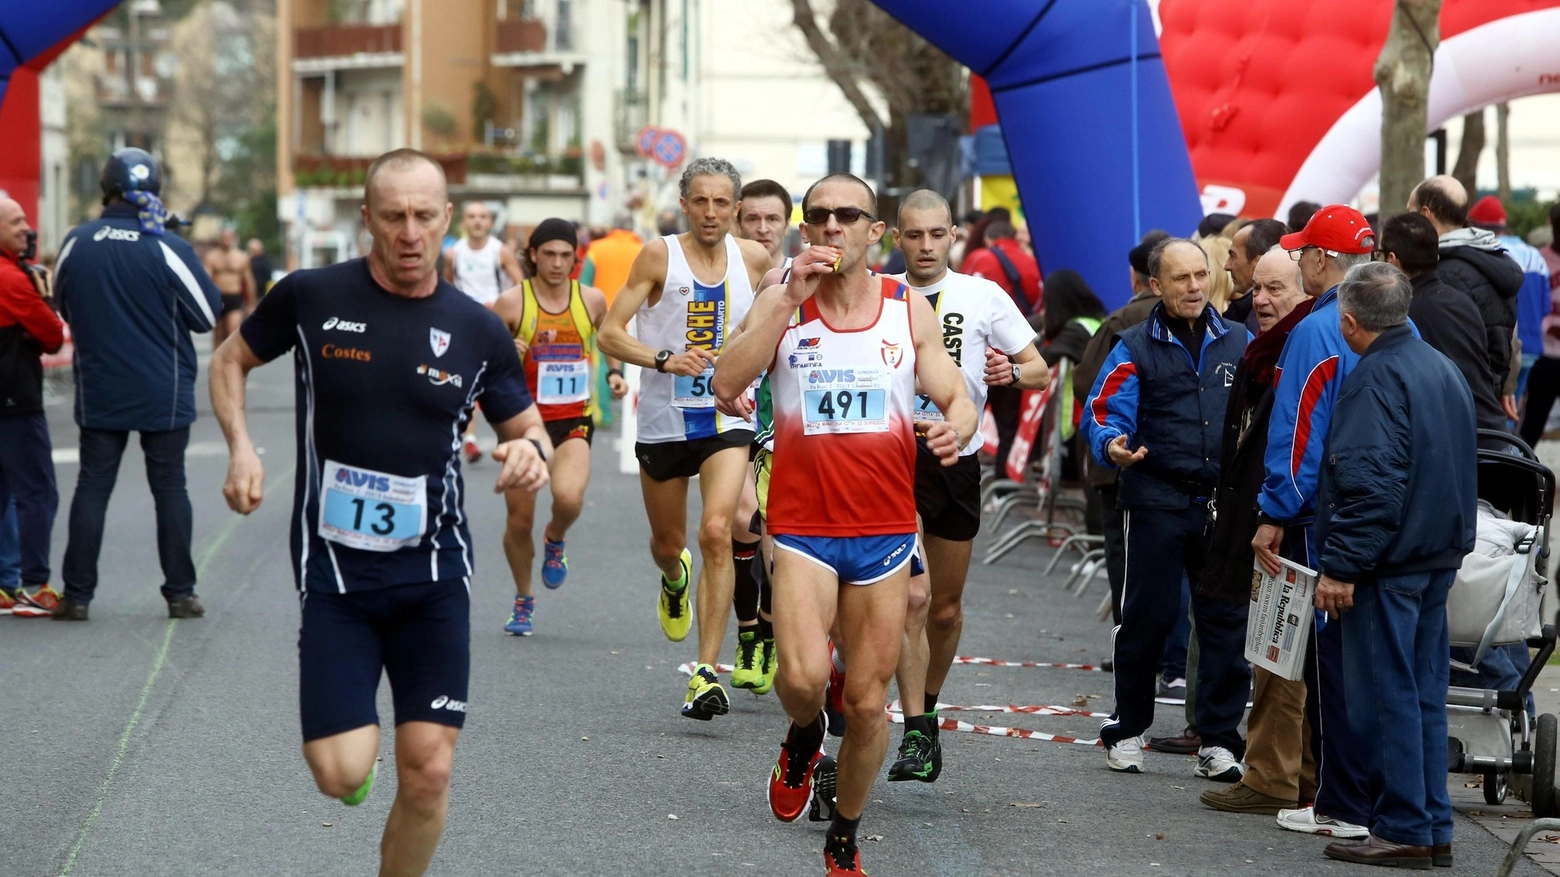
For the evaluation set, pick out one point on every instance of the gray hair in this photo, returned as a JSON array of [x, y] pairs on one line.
[[1377, 294], [1347, 262], [1156, 256], [713, 167], [1299, 275]]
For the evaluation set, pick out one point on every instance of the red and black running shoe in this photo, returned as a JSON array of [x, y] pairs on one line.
[[790, 786], [842, 861]]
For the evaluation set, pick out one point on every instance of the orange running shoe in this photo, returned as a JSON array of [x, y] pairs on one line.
[[38, 605]]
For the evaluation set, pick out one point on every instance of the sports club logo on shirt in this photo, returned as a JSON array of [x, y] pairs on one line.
[[892, 355], [808, 344], [439, 340], [684, 290], [438, 378]]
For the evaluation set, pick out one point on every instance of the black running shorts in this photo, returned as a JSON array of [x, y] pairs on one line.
[[232, 303], [561, 431], [948, 497], [664, 461], [419, 635]]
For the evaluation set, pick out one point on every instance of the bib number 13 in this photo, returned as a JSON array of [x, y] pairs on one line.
[[384, 526]]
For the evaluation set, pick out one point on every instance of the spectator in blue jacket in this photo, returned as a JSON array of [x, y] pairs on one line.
[[1157, 413], [132, 295], [1396, 511], [1312, 368]]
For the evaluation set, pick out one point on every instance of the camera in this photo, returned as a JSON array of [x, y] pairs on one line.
[[30, 250]]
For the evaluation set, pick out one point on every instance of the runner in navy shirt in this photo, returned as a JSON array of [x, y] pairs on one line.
[[390, 362]]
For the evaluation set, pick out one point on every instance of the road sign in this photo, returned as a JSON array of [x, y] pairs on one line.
[[670, 148]]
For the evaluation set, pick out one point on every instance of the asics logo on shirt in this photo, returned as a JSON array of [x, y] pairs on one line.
[[344, 326], [444, 703], [107, 233]]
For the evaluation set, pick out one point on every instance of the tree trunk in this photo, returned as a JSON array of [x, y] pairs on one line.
[[1403, 75], [1502, 153], [1466, 170], [834, 62]]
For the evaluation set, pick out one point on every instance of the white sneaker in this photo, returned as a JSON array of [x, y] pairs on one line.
[[1219, 764], [1306, 821], [1125, 755]]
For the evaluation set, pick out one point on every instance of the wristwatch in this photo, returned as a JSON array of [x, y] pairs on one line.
[[539, 451], [660, 360], [615, 371], [1017, 373]]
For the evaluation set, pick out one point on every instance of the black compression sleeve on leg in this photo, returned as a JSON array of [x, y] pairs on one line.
[[745, 597]]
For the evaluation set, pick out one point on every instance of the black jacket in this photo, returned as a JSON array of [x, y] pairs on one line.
[[1069, 343], [1399, 480], [1473, 262], [1449, 321]]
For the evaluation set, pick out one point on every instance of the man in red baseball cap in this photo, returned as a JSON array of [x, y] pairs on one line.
[[1313, 366]]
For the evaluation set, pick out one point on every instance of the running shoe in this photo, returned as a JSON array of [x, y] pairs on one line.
[[7, 602], [520, 619], [706, 698], [834, 705], [473, 450], [673, 605], [1219, 764], [747, 671], [767, 663], [361, 794], [825, 779], [189, 607], [1306, 821], [842, 861], [915, 759], [555, 566], [1125, 755], [790, 786], [36, 605], [1170, 691]]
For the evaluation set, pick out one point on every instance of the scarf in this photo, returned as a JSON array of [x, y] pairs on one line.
[[150, 210], [1263, 352]]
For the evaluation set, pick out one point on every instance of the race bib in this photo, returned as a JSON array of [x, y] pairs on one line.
[[845, 401], [694, 392], [562, 383], [372, 511], [926, 410]]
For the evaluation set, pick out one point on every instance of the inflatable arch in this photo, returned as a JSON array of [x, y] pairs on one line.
[[1091, 130], [1278, 99]]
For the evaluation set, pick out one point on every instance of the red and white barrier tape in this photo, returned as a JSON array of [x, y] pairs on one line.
[[1010, 708], [999, 731], [687, 669], [991, 662]]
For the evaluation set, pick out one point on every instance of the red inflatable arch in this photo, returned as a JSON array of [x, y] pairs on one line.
[[1277, 98]]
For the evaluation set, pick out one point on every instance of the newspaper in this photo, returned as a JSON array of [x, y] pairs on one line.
[[1279, 623]]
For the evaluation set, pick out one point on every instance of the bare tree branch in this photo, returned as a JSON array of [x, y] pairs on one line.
[[834, 62]]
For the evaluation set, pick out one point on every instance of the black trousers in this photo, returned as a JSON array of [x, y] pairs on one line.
[[1543, 387], [1112, 527], [1163, 547], [101, 451]]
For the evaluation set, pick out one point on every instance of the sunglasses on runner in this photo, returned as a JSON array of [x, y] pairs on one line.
[[846, 215]]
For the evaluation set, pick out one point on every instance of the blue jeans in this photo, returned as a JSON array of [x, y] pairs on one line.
[[1177, 644], [1397, 659], [27, 477], [101, 450], [10, 548], [1501, 669]]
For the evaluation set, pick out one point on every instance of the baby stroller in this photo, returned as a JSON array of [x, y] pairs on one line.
[[1496, 601]]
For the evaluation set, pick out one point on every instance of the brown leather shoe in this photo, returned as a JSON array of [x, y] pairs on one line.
[[1187, 744], [1241, 798], [189, 607], [1441, 854], [1375, 851]]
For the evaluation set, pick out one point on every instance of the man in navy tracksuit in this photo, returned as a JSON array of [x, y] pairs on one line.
[[1396, 512], [132, 295], [1311, 372], [1157, 414]]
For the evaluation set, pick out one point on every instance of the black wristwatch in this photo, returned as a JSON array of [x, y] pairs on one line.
[[660, 360], [615, 371], [540, 451]]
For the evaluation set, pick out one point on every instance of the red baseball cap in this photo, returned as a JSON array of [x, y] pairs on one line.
[[1488, 211], [1337, 228]]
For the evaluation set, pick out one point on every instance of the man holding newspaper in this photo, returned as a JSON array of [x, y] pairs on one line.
[[1397, 510]]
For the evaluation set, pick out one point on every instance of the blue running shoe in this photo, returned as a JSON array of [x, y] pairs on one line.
[[520, 619], [555, 566]]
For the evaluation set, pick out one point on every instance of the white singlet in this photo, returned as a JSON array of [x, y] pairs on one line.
[[975, 315], [478, 273], [675, 408]]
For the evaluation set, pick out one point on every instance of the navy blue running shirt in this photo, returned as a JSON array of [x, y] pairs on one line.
[[385, 384]]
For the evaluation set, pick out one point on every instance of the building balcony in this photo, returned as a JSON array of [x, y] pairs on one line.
[[346, 46], [534, 42], [316, 170], [631, 113]]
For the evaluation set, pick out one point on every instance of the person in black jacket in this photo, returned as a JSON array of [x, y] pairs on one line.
[[1473, 261], [1396, 512], [1067, 299], [1446, 319]]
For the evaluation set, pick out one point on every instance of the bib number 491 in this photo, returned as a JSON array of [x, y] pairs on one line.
[[837, 405]]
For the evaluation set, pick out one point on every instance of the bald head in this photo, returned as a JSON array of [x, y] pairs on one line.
[[13, 227], [924, 199], [1276, 287], [399, 163], [1443, 200]]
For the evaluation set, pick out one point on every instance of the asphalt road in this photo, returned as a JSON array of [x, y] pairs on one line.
[[140, 746]]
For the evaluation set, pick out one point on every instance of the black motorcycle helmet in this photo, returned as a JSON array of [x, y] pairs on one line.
[[130, 170]]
